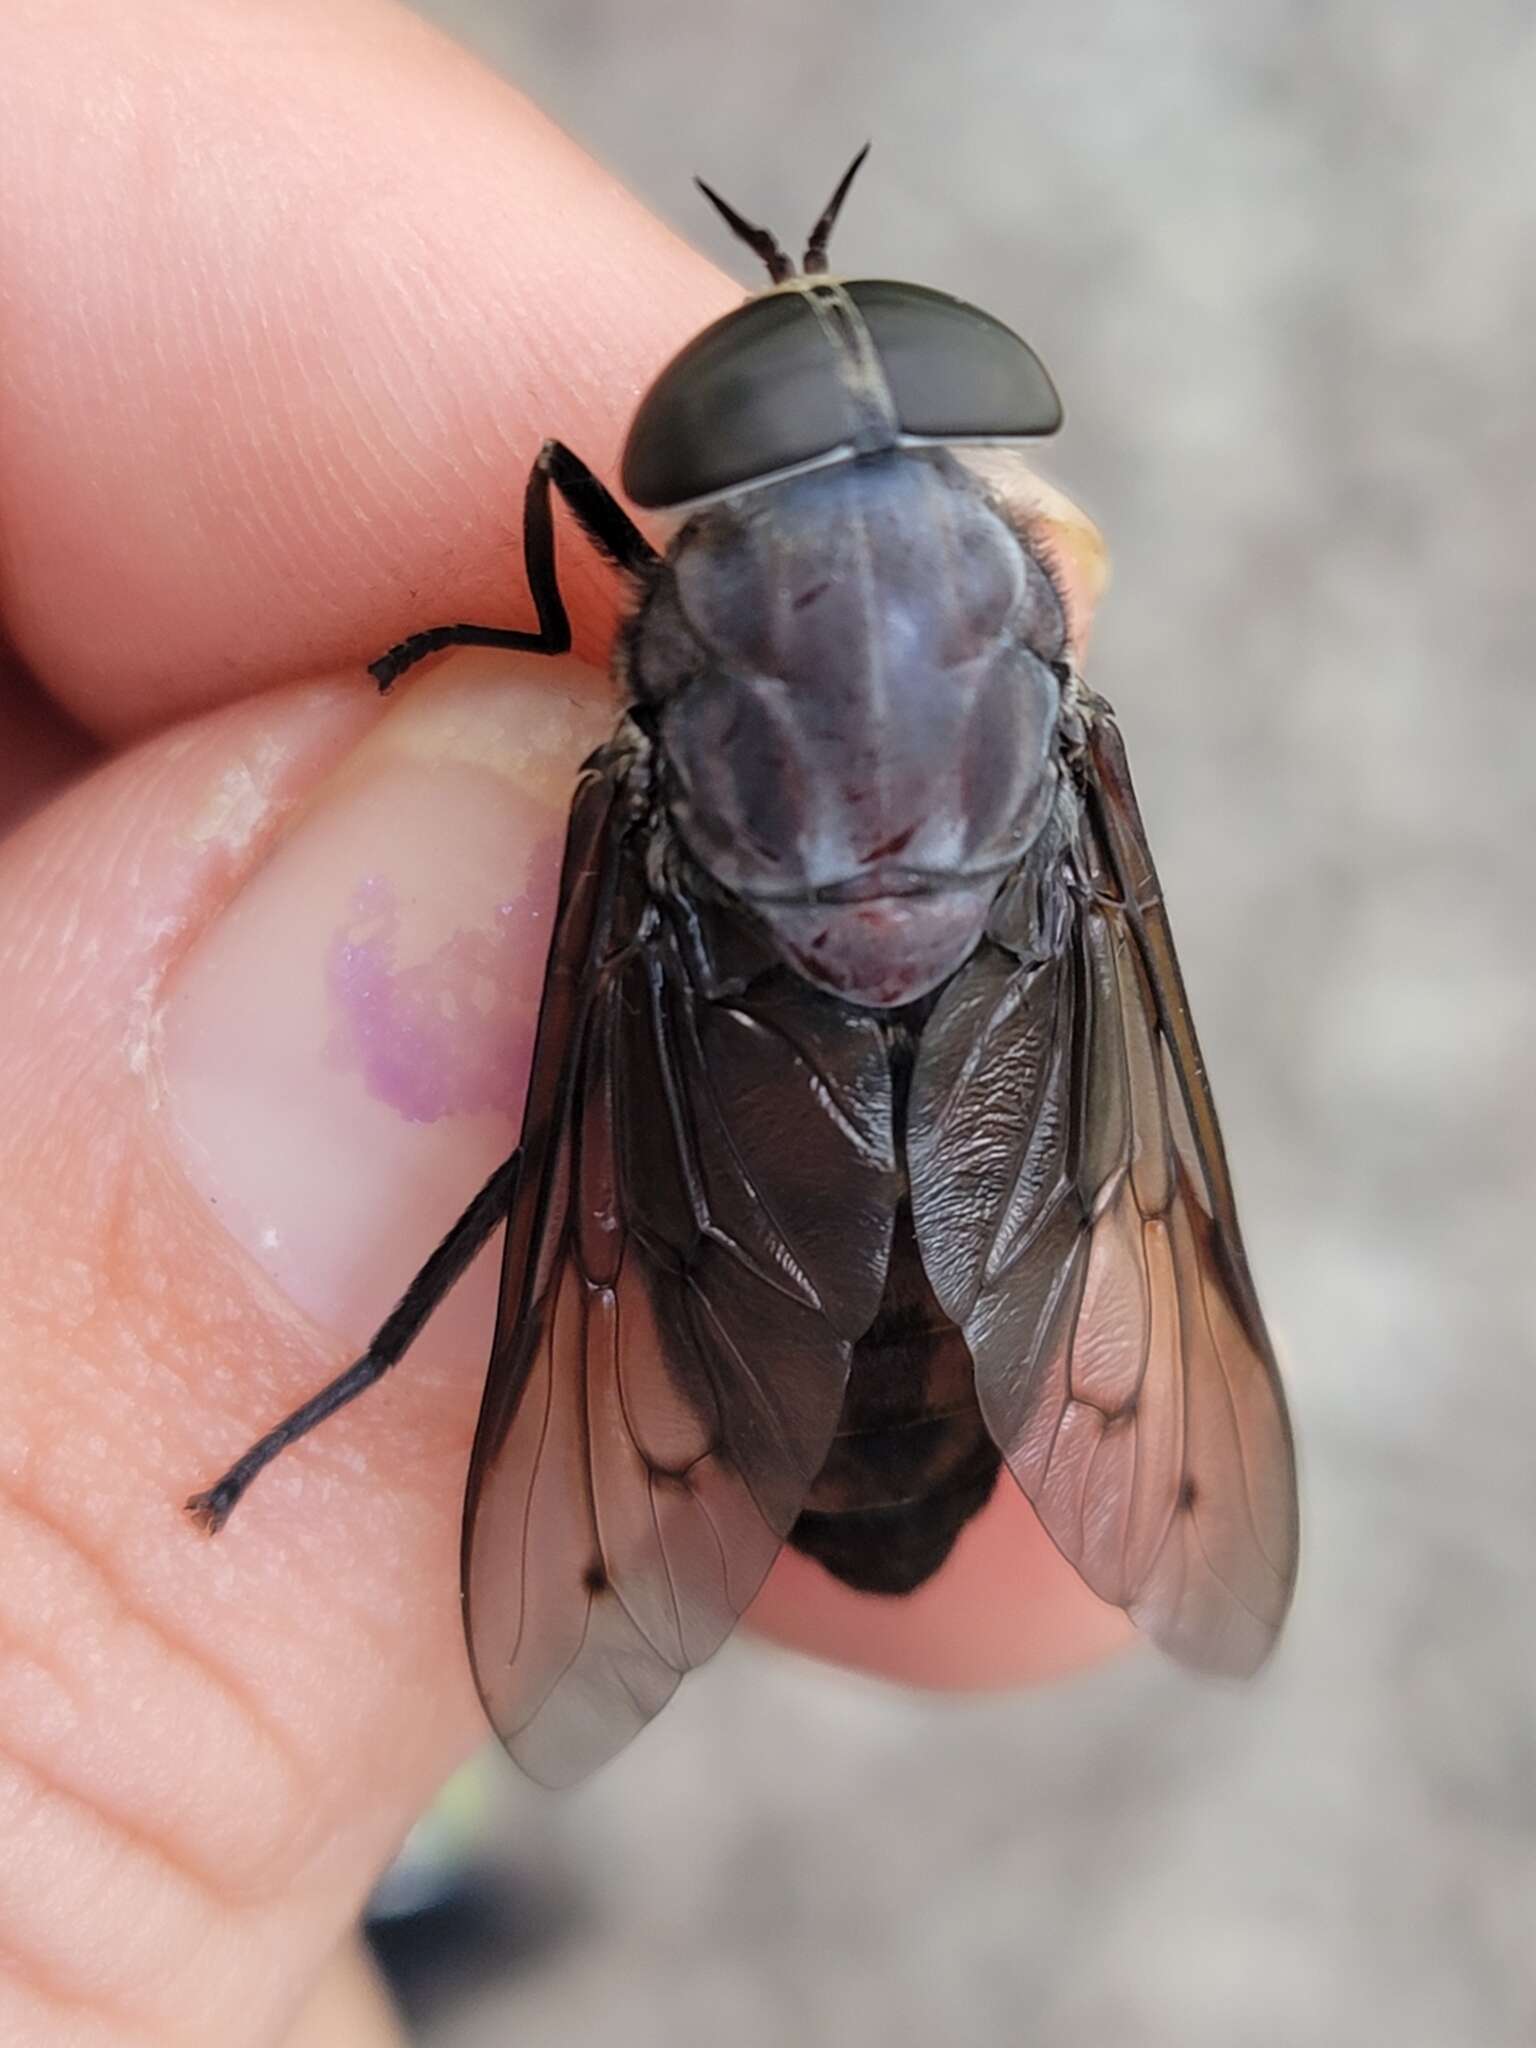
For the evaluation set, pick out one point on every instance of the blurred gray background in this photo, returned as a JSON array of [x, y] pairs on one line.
[[1280, 260]]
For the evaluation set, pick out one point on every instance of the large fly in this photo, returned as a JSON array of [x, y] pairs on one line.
[[868, 1150]]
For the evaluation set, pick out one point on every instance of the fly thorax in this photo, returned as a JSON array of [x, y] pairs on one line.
[[856, 704]]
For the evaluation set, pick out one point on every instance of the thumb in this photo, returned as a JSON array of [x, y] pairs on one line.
[[272, 983]]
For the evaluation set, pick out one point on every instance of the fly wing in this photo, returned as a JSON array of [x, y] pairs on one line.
[[701, 1233], [1073, 1208]]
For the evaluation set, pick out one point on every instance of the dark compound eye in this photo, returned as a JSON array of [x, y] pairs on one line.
[[956, 374], [771, 387], [757, 392]]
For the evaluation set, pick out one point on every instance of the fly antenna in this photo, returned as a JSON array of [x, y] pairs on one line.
[[766, 247], [758, 240], [816, 248]]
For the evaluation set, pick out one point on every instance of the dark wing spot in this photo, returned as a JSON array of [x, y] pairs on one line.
[[595, 1579], [1189, 1493]]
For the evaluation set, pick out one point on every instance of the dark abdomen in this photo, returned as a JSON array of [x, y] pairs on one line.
[[911, 1462]]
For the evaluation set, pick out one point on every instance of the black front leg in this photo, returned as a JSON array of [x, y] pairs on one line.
[[601, 518], [394, 1337]]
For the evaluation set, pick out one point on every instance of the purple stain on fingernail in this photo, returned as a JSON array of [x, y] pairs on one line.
[[450, 1035]]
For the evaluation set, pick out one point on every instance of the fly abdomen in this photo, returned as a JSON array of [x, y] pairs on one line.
[[911, 1461]]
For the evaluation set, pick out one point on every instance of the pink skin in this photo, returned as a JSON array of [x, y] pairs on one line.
[[277, 355], [448, 1036]]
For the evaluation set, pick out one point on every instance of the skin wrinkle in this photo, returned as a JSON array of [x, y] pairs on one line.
[[404, 393], [467, 444], [222, 1928], [47, 1977], [235, 332], [301, 1786], [289, 469], [374, 421], [18, 1968]]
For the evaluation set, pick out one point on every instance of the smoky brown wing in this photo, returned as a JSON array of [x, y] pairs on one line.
[[1074, 1210], [710, 1186]]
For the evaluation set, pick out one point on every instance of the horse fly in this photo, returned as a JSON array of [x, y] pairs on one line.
[[868, 1149]]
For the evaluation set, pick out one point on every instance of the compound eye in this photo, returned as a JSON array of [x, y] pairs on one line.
[[768, 389], [955, 373], [755, 393]]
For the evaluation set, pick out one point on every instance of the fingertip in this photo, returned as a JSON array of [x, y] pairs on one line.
[[325, 290], [1005, 1610]]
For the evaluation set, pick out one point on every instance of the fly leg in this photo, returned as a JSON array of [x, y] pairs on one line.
[[601, 518], [614, 534], [396, 1334]]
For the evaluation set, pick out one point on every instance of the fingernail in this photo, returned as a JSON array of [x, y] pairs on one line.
[[345, 1051]]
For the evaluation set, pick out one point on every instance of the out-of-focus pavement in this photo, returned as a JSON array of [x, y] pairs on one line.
[[1282, 262]]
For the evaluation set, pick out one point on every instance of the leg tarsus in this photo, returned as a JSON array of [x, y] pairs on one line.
[[389, 668], [214, 1506]]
